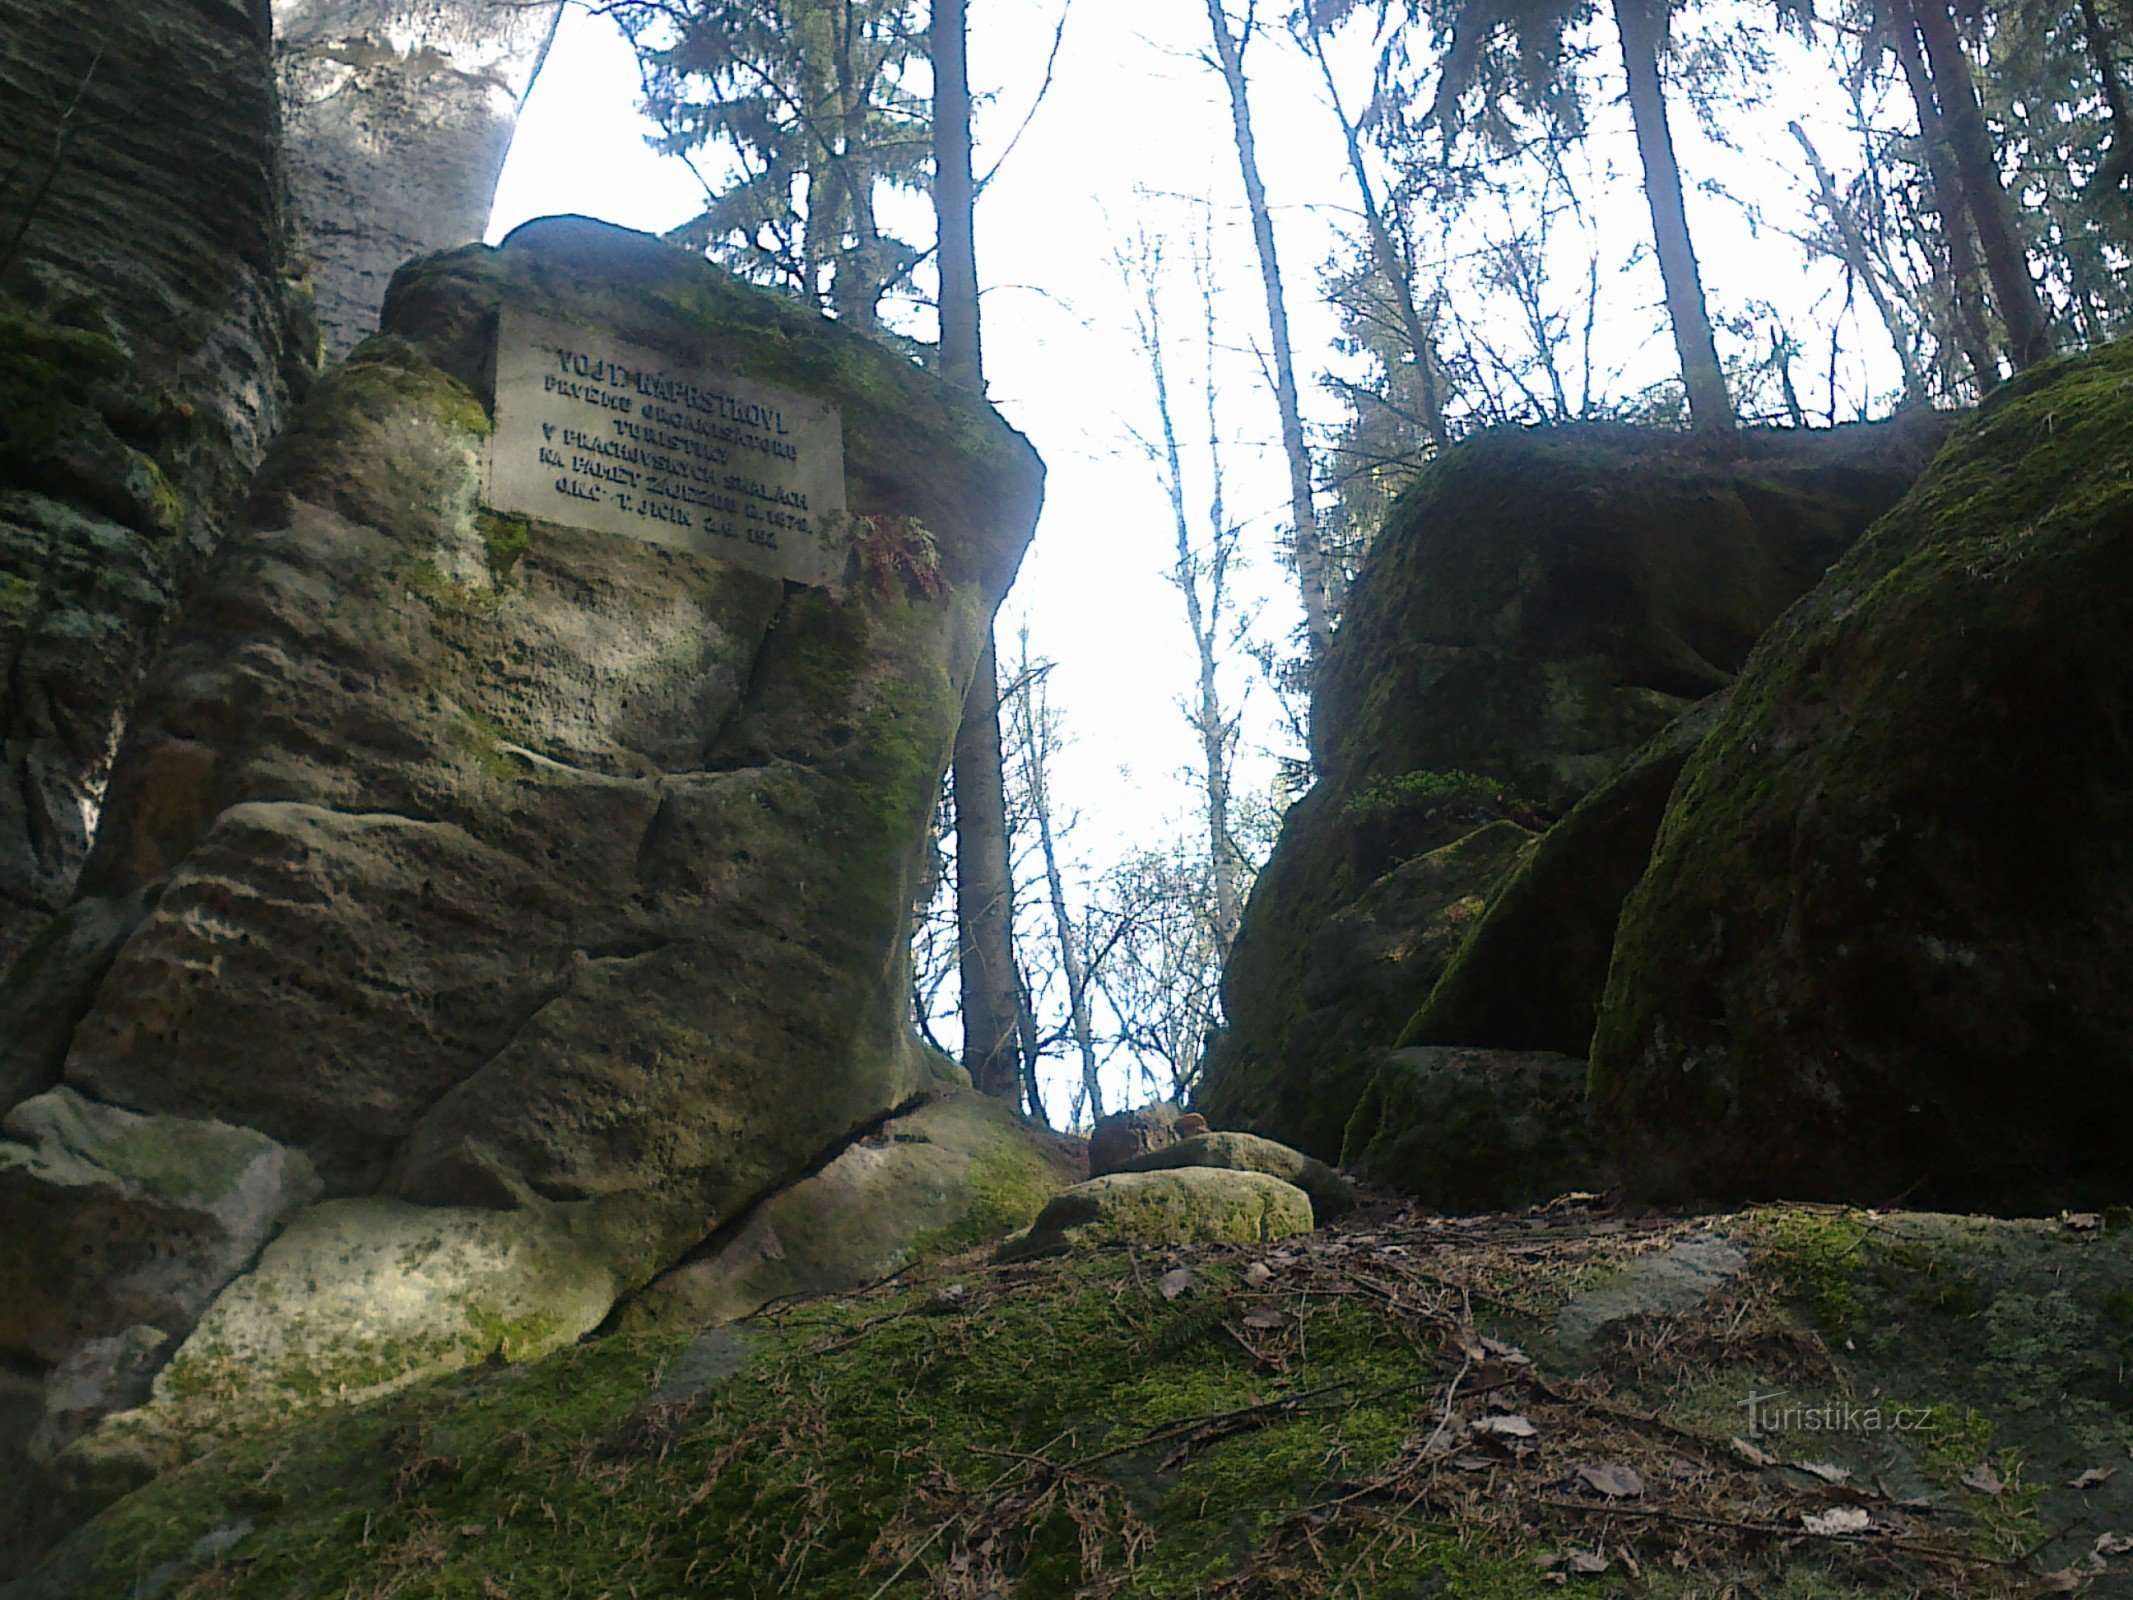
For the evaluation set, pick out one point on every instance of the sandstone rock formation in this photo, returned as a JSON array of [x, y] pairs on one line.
[[1885, 945], [142, 368], [547, 891], [397, 116], [1540, 605]]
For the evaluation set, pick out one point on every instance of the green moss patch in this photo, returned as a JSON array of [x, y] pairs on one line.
[[1348, 1414]]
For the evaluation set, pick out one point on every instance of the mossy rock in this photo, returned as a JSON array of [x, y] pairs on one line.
[[118, 1219], [1263, 1429], [1332, 1196], [1540, 605], [1330, 963], [1884, 946], [1183, 1205], [1474, 1130], [959, 1171], [1531, 971]]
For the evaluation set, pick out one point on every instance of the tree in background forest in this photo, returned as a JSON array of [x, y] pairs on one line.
[[805, 104], [1979, 204]]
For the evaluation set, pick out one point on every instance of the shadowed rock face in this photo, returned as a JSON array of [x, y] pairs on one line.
[[1542, 603], [1885, 943], [397, 116], [499, 868], [142, 339]]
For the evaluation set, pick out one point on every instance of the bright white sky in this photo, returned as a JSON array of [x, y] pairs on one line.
[[1134, 115]]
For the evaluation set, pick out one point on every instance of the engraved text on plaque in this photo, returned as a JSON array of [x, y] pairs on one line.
[[604, 435]]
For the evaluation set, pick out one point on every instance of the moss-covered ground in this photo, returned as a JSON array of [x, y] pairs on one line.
[[1353, 1414]]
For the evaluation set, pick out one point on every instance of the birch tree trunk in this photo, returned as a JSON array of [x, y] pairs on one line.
[[1308, 544]]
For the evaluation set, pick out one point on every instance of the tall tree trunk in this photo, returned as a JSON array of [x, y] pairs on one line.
[[984, 879], [984, 891], [1853, 244], [1308, 545], [1966, 302], [1391, 261], [955, 198], [2029, 334], [1641, 24]]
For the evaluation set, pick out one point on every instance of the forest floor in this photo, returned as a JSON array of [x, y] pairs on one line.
[[1791, 1401]]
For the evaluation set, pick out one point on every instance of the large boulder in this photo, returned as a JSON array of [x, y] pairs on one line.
[[145, 351], [1531, 970], [958, 1171], [1540, 605], [1332, 1196], [502, 866], [396, 119], [1885, 944]]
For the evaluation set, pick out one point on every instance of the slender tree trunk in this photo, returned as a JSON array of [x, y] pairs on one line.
[[2029, 334], [1391, 262], [955, 198], [1308, 547], [2119, 167], [1641, 24], [984, 891], [1966, 302], [984, 880], [1073, 969], [1861, 258]]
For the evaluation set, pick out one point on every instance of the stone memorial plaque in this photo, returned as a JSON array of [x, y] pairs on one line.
[[606, 436]]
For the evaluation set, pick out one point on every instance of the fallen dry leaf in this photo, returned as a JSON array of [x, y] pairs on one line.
[[1827, 1471], [1174, 1282], [1613, 1479], [1984, 1480], [1265, 1319], [1585, 1561], [1512, 1426], [2113, 1544], [2067, 1580], [2092, 1477], [1838, 1519], [1257, 1273]]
